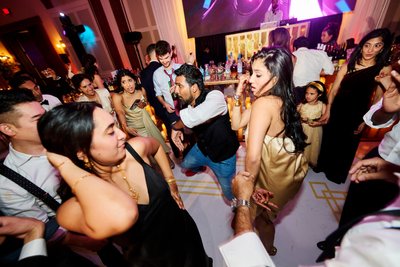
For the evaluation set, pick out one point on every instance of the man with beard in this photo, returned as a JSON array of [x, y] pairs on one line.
[[208, 117]]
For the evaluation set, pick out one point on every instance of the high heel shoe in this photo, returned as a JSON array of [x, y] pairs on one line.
[[272, 251]]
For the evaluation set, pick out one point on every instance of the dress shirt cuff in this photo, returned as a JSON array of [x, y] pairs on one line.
[[368, 117], [35, 247]]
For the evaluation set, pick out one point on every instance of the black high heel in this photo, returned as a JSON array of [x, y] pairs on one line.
[[272, 251]]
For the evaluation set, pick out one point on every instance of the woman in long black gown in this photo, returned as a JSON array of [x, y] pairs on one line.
[[348, 101], [164, 234]]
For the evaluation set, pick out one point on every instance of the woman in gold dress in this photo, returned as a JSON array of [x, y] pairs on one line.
[[275, 140], [130, 106]]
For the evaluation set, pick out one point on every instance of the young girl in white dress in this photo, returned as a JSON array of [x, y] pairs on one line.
[[311, 110]]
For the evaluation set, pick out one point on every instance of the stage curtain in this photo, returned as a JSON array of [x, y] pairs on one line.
[[366, 16], [171, 25]]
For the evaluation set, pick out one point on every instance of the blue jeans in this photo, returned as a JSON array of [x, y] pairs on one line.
[[224, 170]]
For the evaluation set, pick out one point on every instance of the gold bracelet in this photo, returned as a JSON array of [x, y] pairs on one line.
[[171, 180], [78, 180], [237, 103]]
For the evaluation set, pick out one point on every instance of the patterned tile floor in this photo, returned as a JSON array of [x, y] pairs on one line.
[[307, 219]]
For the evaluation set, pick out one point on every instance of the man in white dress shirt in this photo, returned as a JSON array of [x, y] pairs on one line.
[[310, 65], [163, 79], [275, 14], [19, 114], [208, 117]]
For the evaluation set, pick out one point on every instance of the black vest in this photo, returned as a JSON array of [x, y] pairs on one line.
[[215, 137]]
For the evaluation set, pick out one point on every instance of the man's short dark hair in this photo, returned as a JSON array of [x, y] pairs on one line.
[[150, 48], [18, 80], [301, 42], [162, 48], [192, 75], [10, 98]]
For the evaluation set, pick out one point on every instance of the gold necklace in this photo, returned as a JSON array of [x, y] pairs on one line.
[[132, 192]]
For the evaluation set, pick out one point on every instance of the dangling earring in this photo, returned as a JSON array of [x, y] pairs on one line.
[[87, 163]]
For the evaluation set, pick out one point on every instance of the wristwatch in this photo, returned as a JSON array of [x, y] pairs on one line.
[[238, 203], [237, 100]]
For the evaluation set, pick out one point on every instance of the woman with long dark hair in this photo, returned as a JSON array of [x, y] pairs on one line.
[[130, 105], [91, 69], [348, 101], [275, 140], [90, 146]]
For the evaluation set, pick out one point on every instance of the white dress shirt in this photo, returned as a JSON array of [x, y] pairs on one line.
[[213, 106], [53, 102], [161, 83], [16, 201], [35, 247], [389, 147], [105, 99], [309, 64], [271, 16]]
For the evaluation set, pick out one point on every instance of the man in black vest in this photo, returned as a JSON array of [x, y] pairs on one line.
[[208, 117]]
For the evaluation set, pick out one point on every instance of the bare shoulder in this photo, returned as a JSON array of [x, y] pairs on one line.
[[139, 144], [266, 109], [144, 146], [269, 102], [116, 96]]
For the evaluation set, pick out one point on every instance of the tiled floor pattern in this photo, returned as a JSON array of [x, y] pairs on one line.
[[307, 219]]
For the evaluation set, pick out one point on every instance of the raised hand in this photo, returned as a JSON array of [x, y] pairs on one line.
[[57, 160], [243, 80]]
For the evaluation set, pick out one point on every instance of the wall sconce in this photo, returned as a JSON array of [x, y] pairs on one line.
[[61, 46], [4, 58]]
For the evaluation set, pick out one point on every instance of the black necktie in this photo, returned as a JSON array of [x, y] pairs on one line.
[[44, 102]]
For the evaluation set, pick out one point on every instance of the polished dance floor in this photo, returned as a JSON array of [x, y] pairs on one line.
[[307, 219]]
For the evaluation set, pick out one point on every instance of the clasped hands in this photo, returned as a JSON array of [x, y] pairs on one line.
[[243, 188]]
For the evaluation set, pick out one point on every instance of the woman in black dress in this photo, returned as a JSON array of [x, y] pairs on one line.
[[164, 234], [348, 101]]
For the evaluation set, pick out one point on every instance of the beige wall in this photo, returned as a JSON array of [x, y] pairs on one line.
[[141, 18]]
